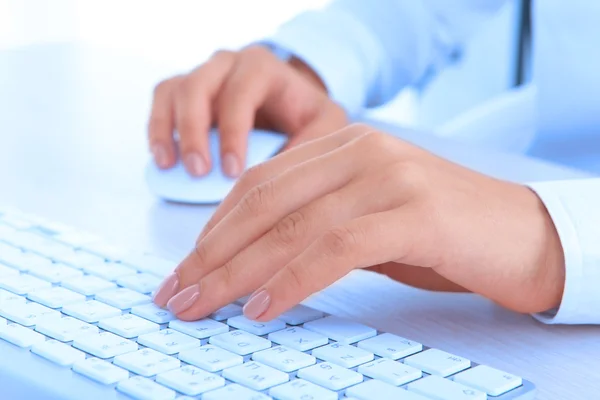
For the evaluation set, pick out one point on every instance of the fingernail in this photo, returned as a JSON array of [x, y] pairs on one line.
[[257, 305], [195, 164], [160, 155], [168, 288], [184, 299], [231, 165]]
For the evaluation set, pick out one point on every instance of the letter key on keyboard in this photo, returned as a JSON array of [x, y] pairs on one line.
[[437, 362], [240, 342], [199, 329], [147, 362], [211, 358], [389, 371], [168, 341], [190, 380], [299, 389], [330, 376], [343, 355], [255, 375], [437, 387], [340, 329], [391, 346], [298, 338], [284, 359], [490, 380], [377, 390], [104, 344], [144, 388], [128, 325]]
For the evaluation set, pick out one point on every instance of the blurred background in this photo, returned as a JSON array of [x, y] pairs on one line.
[[180, 34]]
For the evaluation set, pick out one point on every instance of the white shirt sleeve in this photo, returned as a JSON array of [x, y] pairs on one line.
[[574, 206], [367, 51]]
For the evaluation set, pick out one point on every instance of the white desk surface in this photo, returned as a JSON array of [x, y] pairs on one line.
[[72, 148]]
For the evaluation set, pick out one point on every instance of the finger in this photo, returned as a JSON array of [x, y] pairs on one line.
[[416, 276], [331, 119], [254, 265], [193, 110], [262, 207], [161, 124], [242, 95], [280, 163], [365, 241]]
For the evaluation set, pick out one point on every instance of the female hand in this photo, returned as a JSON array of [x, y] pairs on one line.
[[237, 91], [362, 199]]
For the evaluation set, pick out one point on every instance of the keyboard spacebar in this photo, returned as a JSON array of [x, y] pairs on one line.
[[49, 382]]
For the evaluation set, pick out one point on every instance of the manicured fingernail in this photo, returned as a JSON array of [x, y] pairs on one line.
[[160, 155], [184, 299], [168, 288], [257, 305], [231, 165], [195, 164]]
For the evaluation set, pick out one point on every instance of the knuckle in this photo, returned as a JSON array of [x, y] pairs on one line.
[[408, 174], [222, 54], [294, 278], [258, 199], [252, 176], [290, 228], [376, 140], [201, 253], [227, 274], [339, 241], [163, 87]]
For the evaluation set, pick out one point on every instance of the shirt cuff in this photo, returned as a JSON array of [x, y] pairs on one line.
[[571, 207], [338, 47]]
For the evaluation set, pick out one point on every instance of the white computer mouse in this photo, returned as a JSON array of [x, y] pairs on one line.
[[176, 185]]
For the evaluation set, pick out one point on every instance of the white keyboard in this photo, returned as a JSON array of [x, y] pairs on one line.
[[73, 307]]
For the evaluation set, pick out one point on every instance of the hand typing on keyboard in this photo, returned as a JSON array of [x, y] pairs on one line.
[[362, 199]]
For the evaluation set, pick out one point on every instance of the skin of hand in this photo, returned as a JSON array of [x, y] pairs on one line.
[[359, 198], [236, 91]]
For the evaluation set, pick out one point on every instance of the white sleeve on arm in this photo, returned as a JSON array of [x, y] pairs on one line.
[[367, 51], [575, 209]]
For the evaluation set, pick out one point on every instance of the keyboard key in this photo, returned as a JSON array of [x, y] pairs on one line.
[[91, 311], [229, 311], [88, 285], [147, 362], [377, 390], [58, 352], [168, 341], [9, 297], [330, 376], [343, 355], [284, 359], [65, 329], [255, 375], [79, 258], [141, 283], [56, 297], [123, 298], [28, 314], [240, 342], [21, 260], [149, 263], [298, 338], [437, 362], [128, 325], [55, 272], [340, 329], [111, 271], [210, 358], [436, 387], [199, 329], [153, 313], [490, 380], [254, 327], [20, 336], [190, 380], [6, 270], [101, 371], [300, 314], [104, 345], [389, 371], [391, 346], [234, 392], [145, 389], [23, 284], [299, 389]]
